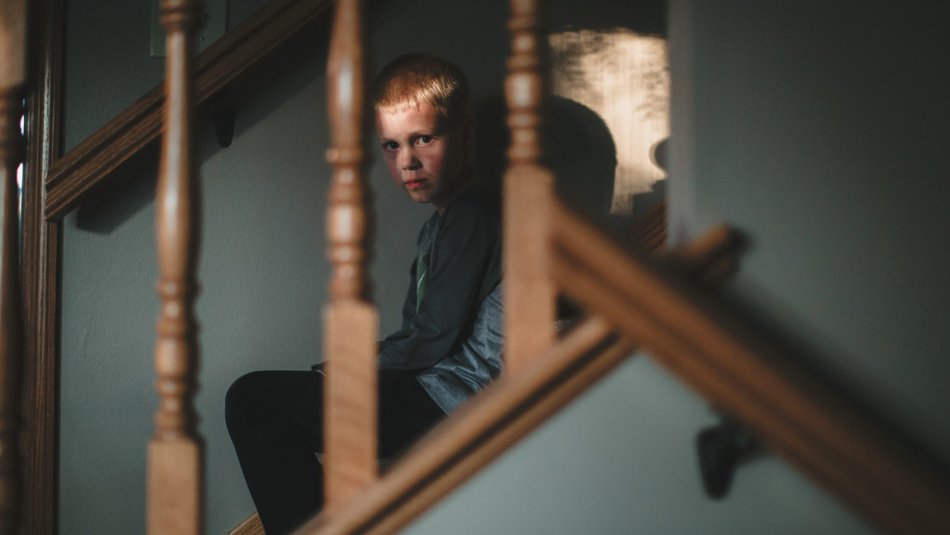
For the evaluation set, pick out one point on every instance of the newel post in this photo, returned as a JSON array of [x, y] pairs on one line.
[[175, 485], [12, 78], [529, 290], [351, 323]]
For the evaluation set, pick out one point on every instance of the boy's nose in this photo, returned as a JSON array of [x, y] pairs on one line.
[[408, 161]]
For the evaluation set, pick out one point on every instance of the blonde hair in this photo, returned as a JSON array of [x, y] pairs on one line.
[[414, 79]]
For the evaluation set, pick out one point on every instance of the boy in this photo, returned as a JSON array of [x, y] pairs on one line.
[[449, 346]]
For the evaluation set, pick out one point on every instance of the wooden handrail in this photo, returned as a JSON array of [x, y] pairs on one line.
[[712, 257], [99, 155], [471, 437], [249, 526], [175, 458], [12, 79], [724, 357]]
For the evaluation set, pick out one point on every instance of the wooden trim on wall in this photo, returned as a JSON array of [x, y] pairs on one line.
[[41, 246], [139, 125]]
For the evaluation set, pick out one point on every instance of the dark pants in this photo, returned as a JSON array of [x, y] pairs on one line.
[[275, 419]]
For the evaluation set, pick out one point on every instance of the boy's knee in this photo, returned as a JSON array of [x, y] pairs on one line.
[[242, 394]]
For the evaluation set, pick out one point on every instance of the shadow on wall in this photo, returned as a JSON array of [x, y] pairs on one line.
[[579, 150], [128, 191]]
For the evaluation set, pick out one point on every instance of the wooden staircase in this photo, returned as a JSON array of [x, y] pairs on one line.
[[632, 300]]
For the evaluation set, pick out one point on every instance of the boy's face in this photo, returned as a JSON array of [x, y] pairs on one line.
[[423, 154]]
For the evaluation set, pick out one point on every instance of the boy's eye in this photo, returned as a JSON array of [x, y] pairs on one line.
[[425, 140], [390, 145]]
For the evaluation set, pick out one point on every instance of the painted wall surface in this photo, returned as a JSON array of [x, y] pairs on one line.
[[621, 460], [820, 132]]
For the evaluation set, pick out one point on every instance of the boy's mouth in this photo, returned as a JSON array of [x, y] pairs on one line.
[[415, 183]]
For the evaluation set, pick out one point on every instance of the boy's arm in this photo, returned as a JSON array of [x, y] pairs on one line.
[[467, 265], [408, 312]]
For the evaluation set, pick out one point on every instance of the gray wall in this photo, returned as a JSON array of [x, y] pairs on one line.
[[621, 460], [820, 131]]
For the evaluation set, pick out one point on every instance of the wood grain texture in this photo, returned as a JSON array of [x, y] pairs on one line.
[[350, 463], [96, 157], [711, 257], [756, 379], [12, 79], [347, 215], [351, 325], [528, 190], [41, 272], [175, 487], [175, 483], [250, 526]]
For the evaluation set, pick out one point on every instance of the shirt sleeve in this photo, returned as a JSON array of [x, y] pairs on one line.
[[465, 266], [408, 313]]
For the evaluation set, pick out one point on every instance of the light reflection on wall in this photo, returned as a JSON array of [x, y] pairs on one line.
[[623, 77]]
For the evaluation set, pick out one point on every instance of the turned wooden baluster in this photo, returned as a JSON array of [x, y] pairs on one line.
[[12, 72], [351, 324], [529, 291], [175, 485]]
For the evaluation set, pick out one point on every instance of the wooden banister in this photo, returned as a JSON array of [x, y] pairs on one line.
[[725, 358], [41, 271], [351, 324], [175, 485], [712, 256], [707, 344], [250, 526], [12, 79], [99, 155], [508, 410], [478, 432], [582, 378], [529, 188]]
